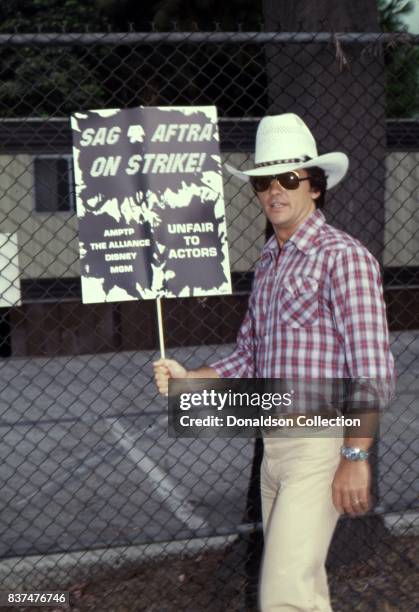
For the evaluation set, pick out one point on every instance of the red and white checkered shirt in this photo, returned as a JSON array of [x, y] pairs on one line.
[[316, 311]]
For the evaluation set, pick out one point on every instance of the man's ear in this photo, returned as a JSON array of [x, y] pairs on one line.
[[315, 193]]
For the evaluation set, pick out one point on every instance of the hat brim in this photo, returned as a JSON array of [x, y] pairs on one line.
[[334, 164]]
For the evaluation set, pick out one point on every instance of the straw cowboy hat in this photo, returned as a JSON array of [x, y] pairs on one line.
[[284, 143]]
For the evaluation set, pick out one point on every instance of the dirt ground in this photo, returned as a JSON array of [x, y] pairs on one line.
[[221, 582]]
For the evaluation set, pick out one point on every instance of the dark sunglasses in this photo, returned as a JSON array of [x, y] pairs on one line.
[[287, 180]]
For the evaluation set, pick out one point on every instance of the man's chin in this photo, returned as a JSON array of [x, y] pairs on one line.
[[280, 221]]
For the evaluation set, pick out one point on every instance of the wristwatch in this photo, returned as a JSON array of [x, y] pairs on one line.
[[354, 454]]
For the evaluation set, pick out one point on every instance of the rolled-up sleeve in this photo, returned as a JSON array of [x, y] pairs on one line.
[[360, 317], [240, 364]]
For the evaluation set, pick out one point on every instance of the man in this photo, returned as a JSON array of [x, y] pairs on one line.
[[316, 311]]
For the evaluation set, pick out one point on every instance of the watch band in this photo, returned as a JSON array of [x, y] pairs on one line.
[[353, 453]]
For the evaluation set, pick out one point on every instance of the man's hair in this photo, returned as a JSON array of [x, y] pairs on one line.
[[318, 182]]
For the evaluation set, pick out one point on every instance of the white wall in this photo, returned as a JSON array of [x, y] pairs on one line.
[[401, 234], [48, 245]]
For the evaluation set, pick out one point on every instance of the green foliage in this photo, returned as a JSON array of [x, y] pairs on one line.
[[402, 62], [50, 15], [47, 81], [390, 12], [55, 81]]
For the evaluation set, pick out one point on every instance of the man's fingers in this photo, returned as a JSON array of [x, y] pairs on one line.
[[161, 371], [160, 361], [361, 502], [168, 363], [338, 506], [162, 383], [165, 369], [337, 500], [161, 376], [351, 488], [351, 502], [174, 368], [346, 502]]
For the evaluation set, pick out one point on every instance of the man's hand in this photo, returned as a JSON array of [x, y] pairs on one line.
[[165, 369], [351, 487]]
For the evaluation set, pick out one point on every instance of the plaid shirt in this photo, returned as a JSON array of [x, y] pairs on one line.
[[316, 311]]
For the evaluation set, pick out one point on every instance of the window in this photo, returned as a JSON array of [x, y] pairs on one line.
[[54, 190]]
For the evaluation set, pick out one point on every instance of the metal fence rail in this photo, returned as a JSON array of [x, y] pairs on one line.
[[97, 499]]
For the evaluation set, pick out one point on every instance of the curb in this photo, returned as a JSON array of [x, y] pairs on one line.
[[402, 523], [57, 570], [46, 571]]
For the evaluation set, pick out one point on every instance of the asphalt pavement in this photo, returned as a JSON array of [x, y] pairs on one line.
[[86, 461]]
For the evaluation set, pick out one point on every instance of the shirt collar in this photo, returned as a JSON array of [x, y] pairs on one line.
[[306, 235], [304, 238]]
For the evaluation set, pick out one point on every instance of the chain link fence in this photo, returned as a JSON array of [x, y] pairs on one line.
[[96, 498]]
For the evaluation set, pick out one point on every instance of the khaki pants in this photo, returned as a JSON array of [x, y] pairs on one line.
[[298, 521]]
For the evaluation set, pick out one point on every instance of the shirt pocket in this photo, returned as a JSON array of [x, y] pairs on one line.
[[299, 301]]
